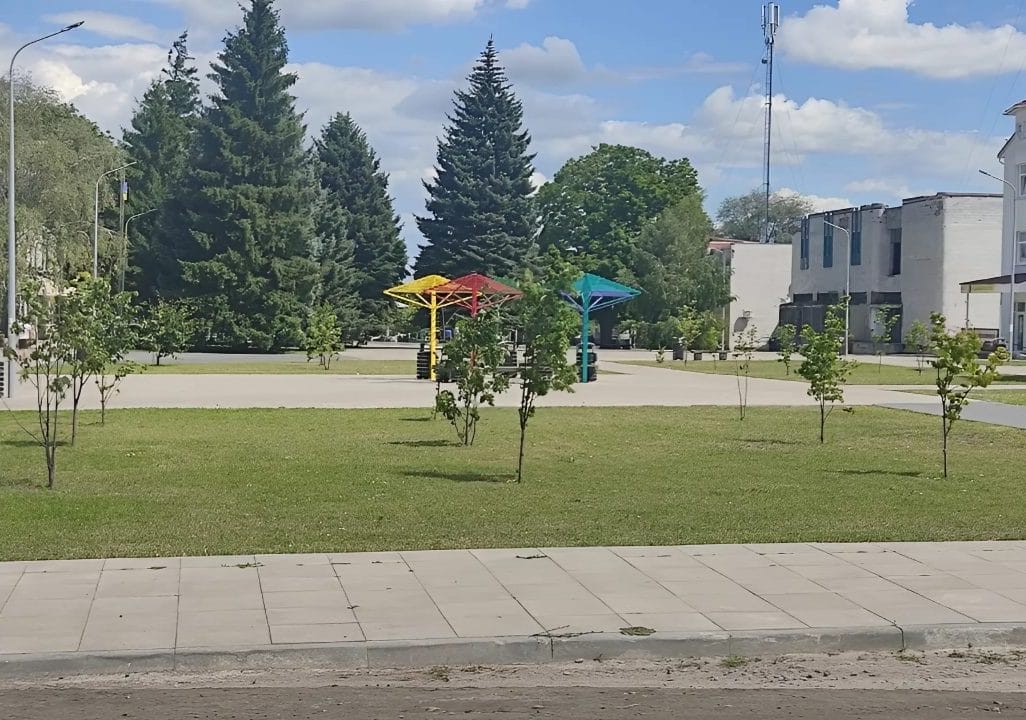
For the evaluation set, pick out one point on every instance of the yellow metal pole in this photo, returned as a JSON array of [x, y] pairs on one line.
[[434, 333]]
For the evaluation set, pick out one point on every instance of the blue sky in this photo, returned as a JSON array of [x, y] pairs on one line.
[[877, 99]]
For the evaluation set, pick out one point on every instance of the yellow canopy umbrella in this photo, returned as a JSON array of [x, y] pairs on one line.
[[420, 293]]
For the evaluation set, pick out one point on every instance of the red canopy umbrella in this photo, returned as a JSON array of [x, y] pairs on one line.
[[475, 292]]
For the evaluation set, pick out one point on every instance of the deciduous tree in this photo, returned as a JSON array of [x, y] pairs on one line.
[[822, 365]]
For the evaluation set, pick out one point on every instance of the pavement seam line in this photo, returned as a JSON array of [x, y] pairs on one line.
[[843, 597], [434, 603], [349, 602], [92, 602], [929, 599], [178, 615], [552, 649], [750, 592], [586, 588], [263, 600], [10, 592]]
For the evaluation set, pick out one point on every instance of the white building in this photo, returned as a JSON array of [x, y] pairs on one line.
[[1013, 252], [907, 261], [759, 275]]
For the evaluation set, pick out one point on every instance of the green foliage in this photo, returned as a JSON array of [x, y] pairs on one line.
[[546, 323], [958, 371], [46, 365], [323, 336], [885, 321], [158, 142], [473, 357], [787, 337], [742, 217], [917, 338], [822, 366], [364, 255], [599, 203], [674, 267], [103, 326], [167, 329], [58, 156], [248, 202], [745, 345], [481, 216]]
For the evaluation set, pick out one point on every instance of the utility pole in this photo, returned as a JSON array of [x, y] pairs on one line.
[[770, 24], [123, 250]]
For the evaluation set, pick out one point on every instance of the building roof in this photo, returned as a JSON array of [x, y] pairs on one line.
[[990, 284], [1001, 152], [1018, 106], [943, 195]]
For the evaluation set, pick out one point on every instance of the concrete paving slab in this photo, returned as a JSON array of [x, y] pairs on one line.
[[491, 605]]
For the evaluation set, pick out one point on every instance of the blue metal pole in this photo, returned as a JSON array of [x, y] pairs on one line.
[[585, 335]]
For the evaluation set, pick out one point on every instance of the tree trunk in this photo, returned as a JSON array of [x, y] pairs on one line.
[[520, 457], [822, 420], [944, 444], [158, 359]]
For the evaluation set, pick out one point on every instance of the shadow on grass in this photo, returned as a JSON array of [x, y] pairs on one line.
[[32, 443], [416, 419], [892, 473], [770, 441], [424, 443], [1008, 378], [461, 476]]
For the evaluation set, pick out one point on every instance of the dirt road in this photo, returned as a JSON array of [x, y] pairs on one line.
[[507, 703]]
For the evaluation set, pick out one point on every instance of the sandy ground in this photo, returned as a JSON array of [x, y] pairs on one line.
[[961, 684]]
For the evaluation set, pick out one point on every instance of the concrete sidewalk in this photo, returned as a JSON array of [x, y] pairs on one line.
[[463, 607]]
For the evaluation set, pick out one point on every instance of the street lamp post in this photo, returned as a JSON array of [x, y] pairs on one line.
[[847, 283], [96, 216], [1010, 340], [124, 237], [12, 256]]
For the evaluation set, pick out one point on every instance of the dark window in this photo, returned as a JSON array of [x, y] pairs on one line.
[[895, 264], [828, 242], [856, 238], [803, 262]]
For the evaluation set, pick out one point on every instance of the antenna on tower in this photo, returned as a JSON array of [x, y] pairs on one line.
[[770, 24]]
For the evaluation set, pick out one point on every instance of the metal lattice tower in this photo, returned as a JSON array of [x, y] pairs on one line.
[[770, 24]]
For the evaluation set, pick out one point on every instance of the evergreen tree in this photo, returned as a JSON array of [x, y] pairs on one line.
[[359, 225], [247, 205], [158, 142], [482, 217], [333, 251]]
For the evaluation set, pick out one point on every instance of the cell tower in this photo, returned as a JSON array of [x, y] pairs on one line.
[[770, 24]]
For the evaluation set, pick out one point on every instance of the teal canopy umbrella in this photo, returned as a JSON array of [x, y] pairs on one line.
[[590, 294]]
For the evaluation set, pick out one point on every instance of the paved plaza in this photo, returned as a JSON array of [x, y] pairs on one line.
[[515, 605]]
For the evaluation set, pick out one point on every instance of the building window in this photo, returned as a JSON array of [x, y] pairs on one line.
[[1020, 248], [856, 238], [1022, 178], [828, 242], [803, 261], [895, 264]]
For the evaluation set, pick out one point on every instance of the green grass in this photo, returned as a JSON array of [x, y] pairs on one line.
[[867, 372], [168, 482], [1012, 397], [343, 366]]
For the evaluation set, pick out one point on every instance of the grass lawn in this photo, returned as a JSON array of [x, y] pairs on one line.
[[867, 372], [1012, 397], [298, 366], [194, 482]]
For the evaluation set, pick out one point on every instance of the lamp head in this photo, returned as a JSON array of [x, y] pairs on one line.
[[79, 24]]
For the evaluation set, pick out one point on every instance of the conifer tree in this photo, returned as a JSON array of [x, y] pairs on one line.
[[481, 217], [158, 141], [247, 204], [358, 223]]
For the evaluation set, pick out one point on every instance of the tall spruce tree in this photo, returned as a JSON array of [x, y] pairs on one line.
[[158, 142], [482, 217], [358, 223], [247, 205]]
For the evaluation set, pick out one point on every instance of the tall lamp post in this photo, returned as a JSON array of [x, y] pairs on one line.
[[124, 258], [847, 283], [96, 216], [1010, 340], [12, 256]]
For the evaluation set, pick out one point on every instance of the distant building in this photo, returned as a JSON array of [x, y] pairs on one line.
[[759, 275], [1013, 237], [907, 261]]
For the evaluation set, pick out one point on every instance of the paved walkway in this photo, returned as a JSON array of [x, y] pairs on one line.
[[624, 386], [533, 604], [995, 413]]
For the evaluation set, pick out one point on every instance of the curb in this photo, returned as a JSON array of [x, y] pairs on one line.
[[514, 650]]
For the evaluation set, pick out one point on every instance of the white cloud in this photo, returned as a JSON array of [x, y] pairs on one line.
[[378, 15], [556, 62], [517, 4], [108, 25], [818, 202], [863, 34], [885, 188]]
